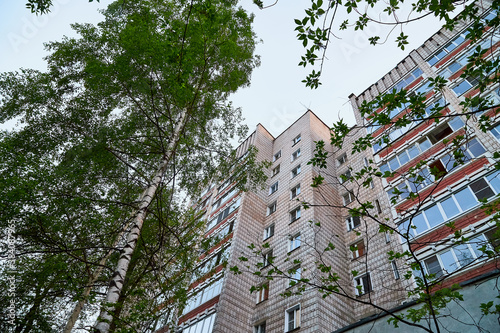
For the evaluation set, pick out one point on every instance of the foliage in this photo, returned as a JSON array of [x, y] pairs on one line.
[[91, 133], [42, 6], [317, 30]]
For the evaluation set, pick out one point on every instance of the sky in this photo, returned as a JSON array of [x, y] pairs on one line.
[[276, 96]]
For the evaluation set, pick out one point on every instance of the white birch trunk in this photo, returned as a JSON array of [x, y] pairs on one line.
[[93, 278], [116, 283]]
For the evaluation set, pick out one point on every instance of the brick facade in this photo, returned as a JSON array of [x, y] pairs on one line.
[[324, 222]]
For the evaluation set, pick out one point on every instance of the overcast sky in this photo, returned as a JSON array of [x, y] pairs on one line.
[[276, 96]]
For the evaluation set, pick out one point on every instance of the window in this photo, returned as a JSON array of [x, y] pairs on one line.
[[272, 208], [406, 155], [342, 159], [295, 171], [409, 79], [225, 197], [464, 154], [377, 205], [446, 50], [223, 214], [422, 145], [456, 257], [224, 185], [267, 258], [295, 214], [295, 154], [440, 133], [387, 237], [365, 161], [261, 328], [214, 261], [363, 284], [263, 293], [295, 191], [481, 189], [348, 198], [277, 156], [353, 222], [496, 131], [453, 68], [276, 170], [296, 140], [345, 177], [395, 270], [269, 231], [449, 207], [273, 188], [358, 249], [438, 170], [423, 89], [293, 242], [465, 85], [493, 240], [412, 184], [204, 325], [203, 295], [225, 231], [292, 318], [295, 276]]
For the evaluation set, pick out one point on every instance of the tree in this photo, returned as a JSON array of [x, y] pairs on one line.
[[382, 119], [42, 6], [137, 104]]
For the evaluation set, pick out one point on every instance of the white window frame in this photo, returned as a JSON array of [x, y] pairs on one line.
[[377, 206], [273, 188], [276, 170], [348, 197], [268, 231], [296, 140], [277, 156], [295, 214], [272, 208], [350, 222], [295, 171], [453, 252], [495, 131], [395, 270], [342, 159], [295, 191], [387, 237], [356, 253], [295, 276], [430, 225], [292, 318], [267, 258], [347, 175], [294, 242], [263, 294], [206, 322], [359, 281], [295, 155], [260, 328]]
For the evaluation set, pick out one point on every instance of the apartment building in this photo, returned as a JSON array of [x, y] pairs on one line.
[[419, 200]]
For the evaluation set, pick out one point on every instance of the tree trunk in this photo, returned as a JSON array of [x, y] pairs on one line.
[[93, 278], [116, 283]]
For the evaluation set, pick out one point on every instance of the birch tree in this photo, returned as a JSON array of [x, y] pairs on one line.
[[129, 116]]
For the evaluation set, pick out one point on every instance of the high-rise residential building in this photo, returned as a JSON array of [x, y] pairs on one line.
[[295, 237]]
